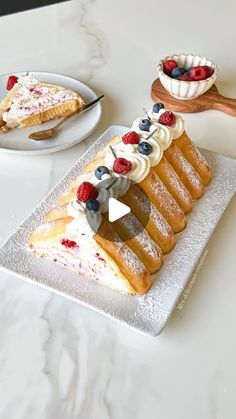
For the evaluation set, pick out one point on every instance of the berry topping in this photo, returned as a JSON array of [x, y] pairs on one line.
[[144, 125], [198, 73], [185, 77], [12, 80], [122, 166], [68, 243], [168, 66], [167, 118], [100, 171], [209, 70], [145, 148], [86, 191], [157, 107], [131, 138], [92, 205], [177, 71]]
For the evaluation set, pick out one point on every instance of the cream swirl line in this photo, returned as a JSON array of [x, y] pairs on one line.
[[160, 141], [176, 130], [163, 136], [141, 165], [157, 153]]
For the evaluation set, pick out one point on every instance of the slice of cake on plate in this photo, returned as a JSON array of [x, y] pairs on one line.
[[30, 102]]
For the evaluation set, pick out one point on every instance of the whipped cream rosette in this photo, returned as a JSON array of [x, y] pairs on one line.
[[163, 136], [176, 129], [158, 173]]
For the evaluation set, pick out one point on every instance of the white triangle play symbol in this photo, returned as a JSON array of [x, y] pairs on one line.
[[116, 209]]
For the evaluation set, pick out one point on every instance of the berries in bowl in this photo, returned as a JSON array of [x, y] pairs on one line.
[[187, 76]]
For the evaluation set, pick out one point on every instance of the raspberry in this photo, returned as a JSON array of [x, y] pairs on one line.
[[185, 77], [131, 138], [86, 191], [198, 73], [12, 80], [209, 70], [168, 66], [167, 118], [122, 166], [68, 243]]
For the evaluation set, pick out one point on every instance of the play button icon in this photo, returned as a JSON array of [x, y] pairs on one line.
[[128, 215], [116, 209]]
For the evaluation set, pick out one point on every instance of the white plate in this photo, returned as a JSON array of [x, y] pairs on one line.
[[147, 314], [77, 129]]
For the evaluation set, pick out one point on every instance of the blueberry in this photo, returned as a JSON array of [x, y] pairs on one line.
[[101, 170], [92, 205], [144, 125], [177, 71], [145, 148], [157, 107]]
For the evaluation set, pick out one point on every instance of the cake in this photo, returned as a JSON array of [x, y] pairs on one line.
[[158, 172], [30, 102]]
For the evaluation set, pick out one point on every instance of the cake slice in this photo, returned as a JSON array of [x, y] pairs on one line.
[[102, 256], [30, 103]]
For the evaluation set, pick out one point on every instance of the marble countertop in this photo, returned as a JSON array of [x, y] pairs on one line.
[[61, 360]]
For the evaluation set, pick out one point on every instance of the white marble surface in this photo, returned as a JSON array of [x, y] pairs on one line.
[[58, 359]]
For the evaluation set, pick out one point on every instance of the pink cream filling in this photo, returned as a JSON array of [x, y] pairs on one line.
[[70, 258], [42, 98]]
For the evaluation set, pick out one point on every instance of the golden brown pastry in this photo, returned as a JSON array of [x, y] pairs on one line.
[[157, 172]]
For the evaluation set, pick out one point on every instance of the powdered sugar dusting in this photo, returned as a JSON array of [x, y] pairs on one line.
[[133, 262], [44, 228], [153, 214], [146, 314], [160, 222], [136, 230], [174, 184], [189, 149], [202, 163], [177, 159], [166, 203]]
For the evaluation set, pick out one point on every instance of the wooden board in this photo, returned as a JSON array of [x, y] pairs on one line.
[[212, 99]]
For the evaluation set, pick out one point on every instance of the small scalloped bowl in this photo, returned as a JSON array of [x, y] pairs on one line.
[[187, 90]]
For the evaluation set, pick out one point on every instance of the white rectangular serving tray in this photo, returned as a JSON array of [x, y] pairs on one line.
[[147, 314]]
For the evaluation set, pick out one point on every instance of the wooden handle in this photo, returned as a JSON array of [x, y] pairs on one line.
[[211, 99], [225, 104]]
